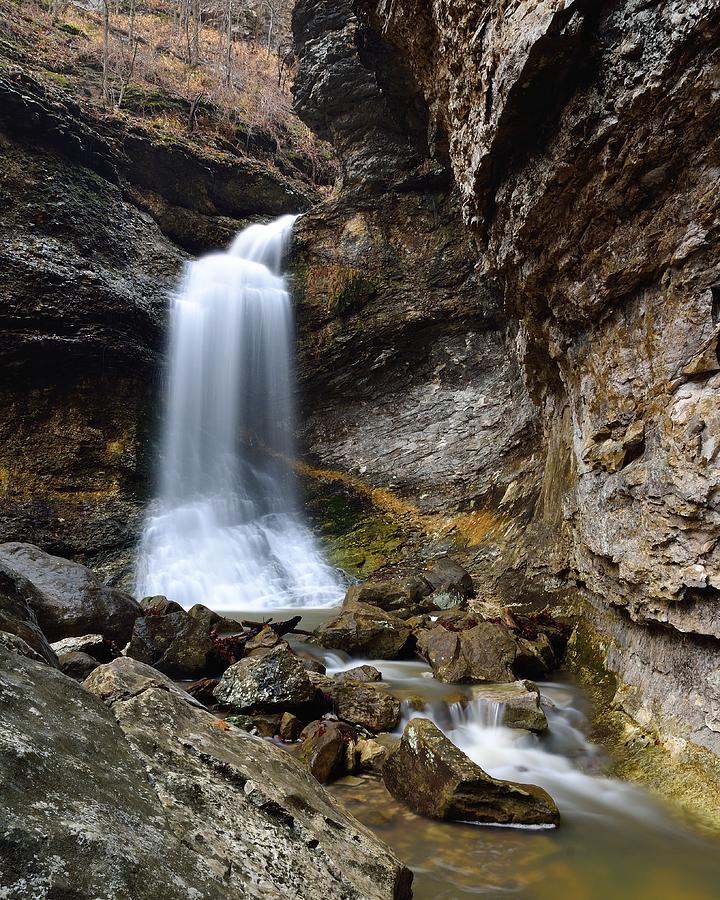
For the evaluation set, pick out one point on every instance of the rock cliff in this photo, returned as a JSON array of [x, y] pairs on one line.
[[519, 309]]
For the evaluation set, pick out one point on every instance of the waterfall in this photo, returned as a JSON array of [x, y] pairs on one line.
[[225, 529]]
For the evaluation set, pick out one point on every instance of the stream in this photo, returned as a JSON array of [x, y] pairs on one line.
[[615, 840]]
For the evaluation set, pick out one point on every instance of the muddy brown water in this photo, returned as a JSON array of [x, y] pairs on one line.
[[615, 841]]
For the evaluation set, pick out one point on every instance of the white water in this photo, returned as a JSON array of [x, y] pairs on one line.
[[225, 530]]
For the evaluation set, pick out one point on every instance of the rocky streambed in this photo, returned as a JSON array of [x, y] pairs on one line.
[[204, 741]]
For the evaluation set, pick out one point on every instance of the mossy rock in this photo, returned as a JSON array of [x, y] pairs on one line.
[[70, 29]]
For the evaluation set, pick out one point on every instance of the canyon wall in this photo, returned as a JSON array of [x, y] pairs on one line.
[[512, 306]]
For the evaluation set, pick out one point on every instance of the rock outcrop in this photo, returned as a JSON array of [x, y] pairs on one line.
[[97, 793], [547, 379]]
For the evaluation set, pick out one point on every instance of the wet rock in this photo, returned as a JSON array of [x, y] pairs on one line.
[[213, 620], [429, 774], [372, 755], [329, 749], [69, 599], [17, 616], [450, 575], [519, 704], [77, 665], [159, 605], [266, 725], [366, 630], [174, 643], [244, 723], [367, 705], [399, 594], [289, 728], [93, 644], [275, 679], [359, 673], [485, 651]]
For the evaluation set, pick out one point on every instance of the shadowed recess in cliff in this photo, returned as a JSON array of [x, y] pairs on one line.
[[225, 530]]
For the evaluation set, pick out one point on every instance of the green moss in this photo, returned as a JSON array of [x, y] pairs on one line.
[[70, 29], [357, 537], [62, 80], [354, 291]]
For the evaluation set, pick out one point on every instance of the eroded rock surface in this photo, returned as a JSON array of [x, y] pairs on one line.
[[364, 630], [97, 793]]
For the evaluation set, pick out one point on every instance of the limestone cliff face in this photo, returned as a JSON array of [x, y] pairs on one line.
[[583, 147]]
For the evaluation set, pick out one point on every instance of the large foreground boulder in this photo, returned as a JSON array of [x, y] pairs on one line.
[[366, 630], [150, 796], [17, 617], [68, 599], [429, 774]]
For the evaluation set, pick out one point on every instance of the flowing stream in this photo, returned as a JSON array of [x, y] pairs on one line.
[[225, 530]]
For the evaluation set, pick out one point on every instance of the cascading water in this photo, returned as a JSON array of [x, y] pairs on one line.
[[225, 530]]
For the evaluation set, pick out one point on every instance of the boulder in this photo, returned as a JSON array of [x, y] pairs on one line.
[[329, 749], [275, 679], [159, 605], [484, 651], [148, 796], [68, 599], [214, 621], [371, 755], [367, 705], [393, 595], [262, 642], [124, 677], [434, 778], [359, 673], [450, 576], [290, 728], [267, 724], [174, 643], [519, 703], [94, 645], [77, 665], [365, 630], [17, 645], [17, 616]]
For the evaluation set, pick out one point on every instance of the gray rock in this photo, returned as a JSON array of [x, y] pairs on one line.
[[97, 796], [368, 705], [17, 616], [175, 643], [77, 665], [365, 630], [93, 644], [402, 593], [484, 652], [278, 678], [429, 774], [255, 816], [17, 645], [450, 575], [69, 600], [359, 673], [125, 677]]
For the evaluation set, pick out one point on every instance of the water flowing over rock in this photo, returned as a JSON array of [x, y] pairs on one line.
[[434, 778], [225, 530]]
